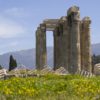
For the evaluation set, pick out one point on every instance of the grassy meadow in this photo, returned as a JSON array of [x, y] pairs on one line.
[[51, 87]]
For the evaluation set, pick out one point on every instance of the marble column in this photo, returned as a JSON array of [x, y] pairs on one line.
[[86, 60], [41, 52], [56, 48], [74, 24], [65, 44], [61, 44]]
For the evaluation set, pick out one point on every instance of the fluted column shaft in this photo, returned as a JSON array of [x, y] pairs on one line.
[[41, 52], [86, 60], [74, 25], [56, 48]]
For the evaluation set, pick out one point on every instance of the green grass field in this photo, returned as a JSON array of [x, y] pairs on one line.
[[51, 87]]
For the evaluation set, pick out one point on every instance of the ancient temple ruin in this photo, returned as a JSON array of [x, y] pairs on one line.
[[72, 47]]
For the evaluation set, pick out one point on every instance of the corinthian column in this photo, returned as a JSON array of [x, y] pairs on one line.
[[74, 24], [86, 45], [41, 53], [56, 48], [65, 43]]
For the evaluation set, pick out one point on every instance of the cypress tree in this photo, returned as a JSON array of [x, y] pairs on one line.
[[1, 67], [12, 63]]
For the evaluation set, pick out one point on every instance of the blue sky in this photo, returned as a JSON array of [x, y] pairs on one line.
[[20, 18]]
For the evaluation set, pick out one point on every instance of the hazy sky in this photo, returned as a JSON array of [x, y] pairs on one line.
[[20, 18]]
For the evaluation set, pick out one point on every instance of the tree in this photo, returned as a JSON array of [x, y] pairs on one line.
[[12, 63], [1, 67], [95, 60]]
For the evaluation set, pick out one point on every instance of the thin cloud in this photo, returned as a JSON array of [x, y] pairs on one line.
[[9, 28], [13, 44], [16, 12]]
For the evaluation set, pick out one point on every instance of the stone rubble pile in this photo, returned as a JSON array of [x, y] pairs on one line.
[[3, 72], [61, 71], [85, 73], [46, 70], [97, 69]]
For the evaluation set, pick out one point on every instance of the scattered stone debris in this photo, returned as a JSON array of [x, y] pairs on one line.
[[30, 72], [97, 69], [61, 71], [85, 73], [3, 72], [23, 72], [46, 70], [19, 70], [21, 67]]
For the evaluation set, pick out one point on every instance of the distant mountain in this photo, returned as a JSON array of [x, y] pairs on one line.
[[27, 57]]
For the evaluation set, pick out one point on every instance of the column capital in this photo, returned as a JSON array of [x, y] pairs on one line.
[[72, 9], [43, 27], [86, 20]]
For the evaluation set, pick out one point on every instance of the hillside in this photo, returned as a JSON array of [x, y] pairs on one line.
[[27, 57]]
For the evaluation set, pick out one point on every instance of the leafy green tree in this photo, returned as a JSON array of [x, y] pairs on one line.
[[12, 63]]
